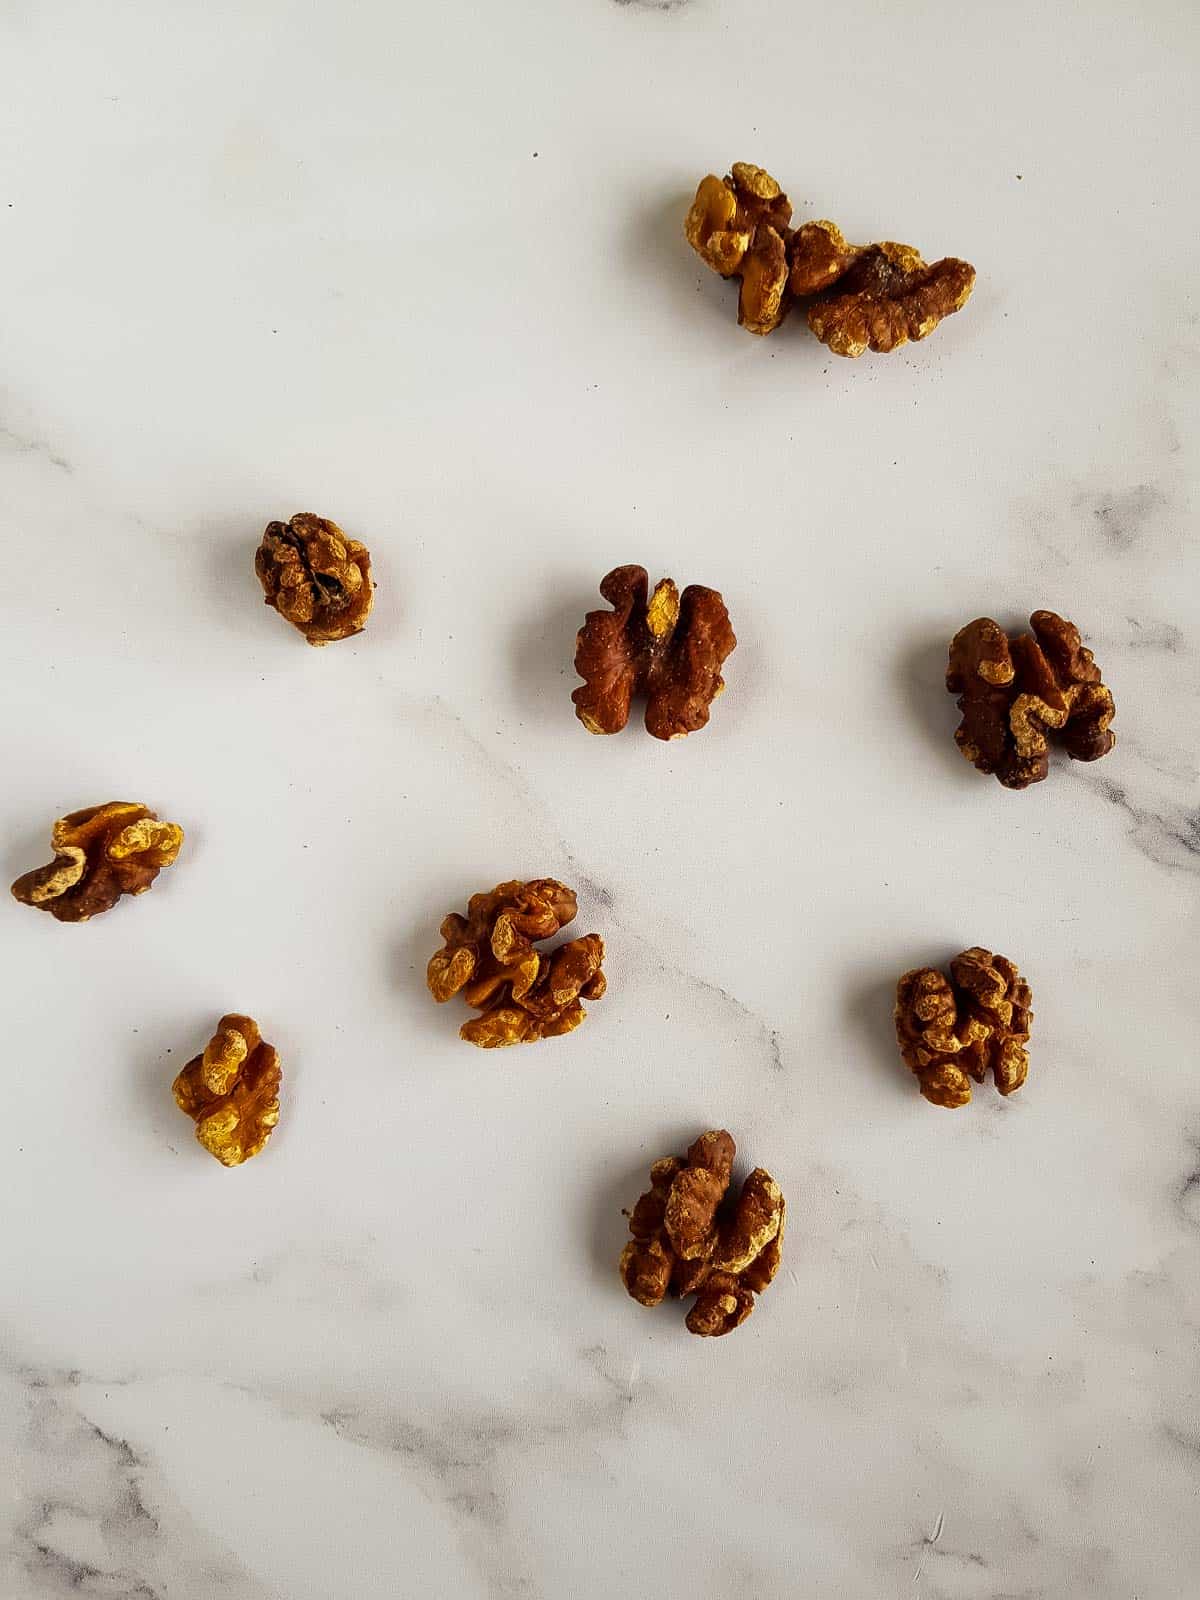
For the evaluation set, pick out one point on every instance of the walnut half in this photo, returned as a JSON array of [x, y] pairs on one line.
[[666, 646], [690, 1236], [489, 958], [316, 577], [231, 1092], [874, 297], [99, 855], [953, 1030], [1016, 693]]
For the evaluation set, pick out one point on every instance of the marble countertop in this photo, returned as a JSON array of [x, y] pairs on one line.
[[421, 270]]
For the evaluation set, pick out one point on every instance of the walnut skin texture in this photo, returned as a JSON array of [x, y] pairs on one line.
[[99, 855], [489, 958], [739, 226], [231, 1092], [857, 297], [1015, 693], [690, 1236], [316, 577], [953, 1030], [666, 646]]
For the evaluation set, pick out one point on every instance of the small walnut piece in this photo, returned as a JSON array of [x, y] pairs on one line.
[[666, 646], [1015, 693], [100, 854], [691, 1236], [953, 1030], [739, 225], [885, 296], [762, 305], [728, 212], [316, 577], [231, 1092], [819, 255], [489, 958]]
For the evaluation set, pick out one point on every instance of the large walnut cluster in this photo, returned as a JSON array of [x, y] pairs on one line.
[[958, 1029], [100, 854], [666, 646], [856, 297], [1015, 693], [489, 959], [692, 1237], [231, 1092], [316, 577]]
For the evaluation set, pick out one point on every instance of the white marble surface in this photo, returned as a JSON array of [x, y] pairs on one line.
[[421, 270]]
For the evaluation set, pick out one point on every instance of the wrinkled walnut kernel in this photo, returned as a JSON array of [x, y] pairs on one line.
[[739, 226], [690, 1236], [666, 646], [728, 212], [100, 854], [231, 1092], [316, 577], [489, 958], [859, 297], [886, 296], [1014, 693], [953, 1030]]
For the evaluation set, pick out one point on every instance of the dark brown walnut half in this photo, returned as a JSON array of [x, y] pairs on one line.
[[100, 854], [489, 958], [691, 1236], [1015, 694], [316, 577], [954, 1030], [665, 646]]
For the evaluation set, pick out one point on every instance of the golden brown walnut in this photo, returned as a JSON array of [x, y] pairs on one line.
[[876, 297], [953, 1030], [859, 297], [818, 256], [100, 854], [1015, 693], [231, 1092], [666, 646], [316, 577], [739, 226], [691, 1236], [489, 958]]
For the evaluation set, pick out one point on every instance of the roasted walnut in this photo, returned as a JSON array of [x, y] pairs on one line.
[[316, 577], [739, 226], [876, 297], [489, 958], [1013, 693], [859, 297], [99, 855], [666, 646], [231, 1092], [691, 1236], [953, 1030]]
